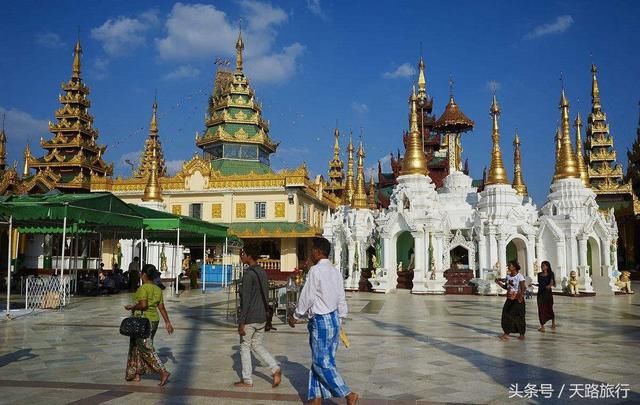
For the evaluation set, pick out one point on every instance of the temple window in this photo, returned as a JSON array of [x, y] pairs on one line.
[[195, 210], [261, 210]]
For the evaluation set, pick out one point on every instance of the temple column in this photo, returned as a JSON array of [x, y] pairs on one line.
[[562, 264], [531, 253], [493, 250], [420, 263], [582, 264], [502, 256], [482, 256]]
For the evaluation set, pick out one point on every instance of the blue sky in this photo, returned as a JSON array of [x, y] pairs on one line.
[[314, 62]]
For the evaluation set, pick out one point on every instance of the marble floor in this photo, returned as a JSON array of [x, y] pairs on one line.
[[404, 349]]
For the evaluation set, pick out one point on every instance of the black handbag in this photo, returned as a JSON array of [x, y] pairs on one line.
[[268, 308], [135, 327]]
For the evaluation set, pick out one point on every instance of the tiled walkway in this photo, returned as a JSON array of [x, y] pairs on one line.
[[405, 350]]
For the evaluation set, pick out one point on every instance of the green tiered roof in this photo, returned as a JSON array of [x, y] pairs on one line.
[[236, 137]]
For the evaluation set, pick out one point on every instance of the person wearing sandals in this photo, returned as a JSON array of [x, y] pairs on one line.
[[546, 281], [142, 357], [514, 310], [253, 318]]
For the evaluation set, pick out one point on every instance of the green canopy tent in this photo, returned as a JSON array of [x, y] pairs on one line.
[[162, 226], [91, 212]]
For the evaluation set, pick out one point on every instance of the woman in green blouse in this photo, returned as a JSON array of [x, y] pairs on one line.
[[142, 356]]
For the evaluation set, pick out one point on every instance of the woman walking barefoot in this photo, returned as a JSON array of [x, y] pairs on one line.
[[546, 281], [513, 311], [142, 356]]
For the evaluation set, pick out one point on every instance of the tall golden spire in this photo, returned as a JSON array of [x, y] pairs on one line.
[[77, 51], [497, 173], [557, 141], [347, 198], [595, 90], [566, 166], [518, 183], [3, 146], [582, 166], [239, 49], [360, 194], [422, 82], [414, 161], [153, 190], [27, 157], [153, 126]]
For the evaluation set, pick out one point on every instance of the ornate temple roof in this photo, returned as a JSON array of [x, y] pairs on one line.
[[234, 115], [453, 119], [336, 174], [72, 153], [152, 149]]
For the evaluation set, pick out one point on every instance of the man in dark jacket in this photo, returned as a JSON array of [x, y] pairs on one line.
[[252, 319]]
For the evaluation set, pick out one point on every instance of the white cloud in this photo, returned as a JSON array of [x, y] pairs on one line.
[[183, 72], [122, 34], [560, 25], [133, 157], [99, 68], [200, 31], [50, 40], [173, 166], [359, 107], [316, 8], [404, 70], [20, 125], [275, 67], [493, 85]]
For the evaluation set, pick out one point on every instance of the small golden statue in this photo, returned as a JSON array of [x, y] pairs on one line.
[[573, 283], [624, 282]]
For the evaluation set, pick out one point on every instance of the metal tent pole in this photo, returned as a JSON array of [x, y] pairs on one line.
[[176, 253], [225, 259], [64, 238], [204, 261], [9, 266], [142, 252]]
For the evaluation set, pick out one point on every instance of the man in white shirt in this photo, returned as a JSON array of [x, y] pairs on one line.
[[323, 301]]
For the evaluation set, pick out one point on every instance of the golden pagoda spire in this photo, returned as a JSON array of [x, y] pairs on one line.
[[153, 190], [27, 156], [372, 195], [239, 49], [153, 126], [336, 175], [595, 90], [349, 188], [414, 161], [360, 194], [566, 166], [77, 51], [518, 183], [422, 82], [557, 141], [497, 173], [3, 146], [582, 166]]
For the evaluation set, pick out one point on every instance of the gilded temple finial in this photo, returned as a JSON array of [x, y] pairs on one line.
[[153, 126], [414, 161], [336, 175], [153, 190], [27, 157], [566, 165], [152, 153], [371, 198], [77, 51], [239, 49], [360, 194], [497, 173], [422, 82], [3, 145], [595, 90], [349, 186], [582, 166], [518, 182]]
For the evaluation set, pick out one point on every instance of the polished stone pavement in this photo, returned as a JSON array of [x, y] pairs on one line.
[[404, 350]]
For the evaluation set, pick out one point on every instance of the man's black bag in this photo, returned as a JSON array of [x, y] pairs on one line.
[[268, 308], [135, 327]]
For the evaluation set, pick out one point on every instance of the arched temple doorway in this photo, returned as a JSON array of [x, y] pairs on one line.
[[517, 250], [459, 257], [405, 246]]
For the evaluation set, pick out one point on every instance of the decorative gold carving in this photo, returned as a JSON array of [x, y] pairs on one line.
[[241, 210], [241, 134], [176, 209], [279, 208], [216, 211]]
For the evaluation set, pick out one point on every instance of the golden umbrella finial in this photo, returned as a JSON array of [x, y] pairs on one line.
[[595, 90], [497, 173], [77, 51], [239, 49], [349, 187], [360, 194], [422, 82]]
